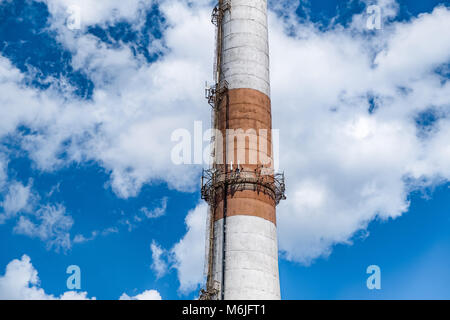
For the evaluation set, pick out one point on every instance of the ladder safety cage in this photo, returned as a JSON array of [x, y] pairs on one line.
[[239, 180], [218, 12], [219, 181], [214, 95]]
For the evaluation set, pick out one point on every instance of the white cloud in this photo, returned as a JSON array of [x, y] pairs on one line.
[[21, 282], [146, 295], [100, 11], [156, 212], [189, 253], [344, 166], [110, 230], [79, 238], [18, 198], [3, 168], [388, 10], [136, 106], [49, 223], [75, 295], [187, 256], [159, 265], [52, 225]]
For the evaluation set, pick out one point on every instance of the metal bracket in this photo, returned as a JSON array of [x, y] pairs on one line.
[[218, 11], [214, 94], [210, 293]]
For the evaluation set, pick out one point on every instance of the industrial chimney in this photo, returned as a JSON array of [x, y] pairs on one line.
[[241, 186]]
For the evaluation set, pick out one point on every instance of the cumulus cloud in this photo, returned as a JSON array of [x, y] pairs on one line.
[[187, 256], [135, 107], [189, 253], [351, 145], [347, 103], [18, 198], [98, 12], [21, 282], [146, 295]]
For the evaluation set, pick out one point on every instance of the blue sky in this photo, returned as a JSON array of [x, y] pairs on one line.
[[85, 143]]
